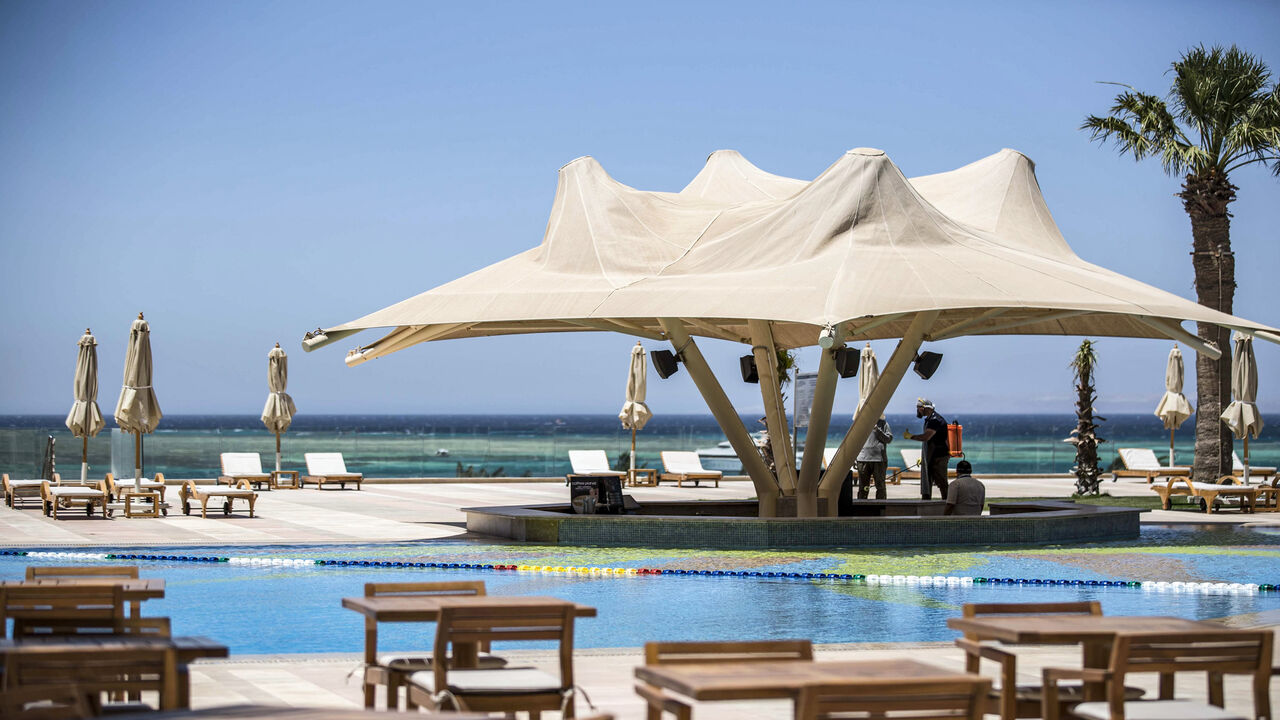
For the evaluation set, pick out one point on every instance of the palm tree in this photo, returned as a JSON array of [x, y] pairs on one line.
[[1085, 435], [1220, 116]]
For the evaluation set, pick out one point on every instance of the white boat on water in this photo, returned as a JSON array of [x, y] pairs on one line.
[[723, 458]]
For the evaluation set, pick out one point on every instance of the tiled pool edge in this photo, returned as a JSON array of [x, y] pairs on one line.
[[1019, 523]]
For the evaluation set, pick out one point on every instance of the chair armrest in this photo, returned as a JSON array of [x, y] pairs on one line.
[[659, 700], [244, 484], [1051, 675], [975, 649]]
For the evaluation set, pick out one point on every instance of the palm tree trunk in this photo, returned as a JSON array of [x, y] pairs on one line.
[[1205, 197]]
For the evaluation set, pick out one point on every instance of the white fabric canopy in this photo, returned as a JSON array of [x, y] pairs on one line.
[[278, 412], [1242, 414], [138, 410], [635, 413], [860, 244], [868, 375], [85, 419], [1173, 409]]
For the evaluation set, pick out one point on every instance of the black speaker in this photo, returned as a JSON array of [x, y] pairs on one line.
[[664, 361], [847, 361], [927, 364], [747, 363]]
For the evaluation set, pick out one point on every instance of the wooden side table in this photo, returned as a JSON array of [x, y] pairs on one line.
[[150, 503], [647, 477], [285, 480]]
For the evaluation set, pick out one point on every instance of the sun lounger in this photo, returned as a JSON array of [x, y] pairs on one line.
[[65, 495], [116, 488], [15, 490], [1142, 463], [329, 468], [134, 498], [682, 465], [1256, 472], [243, 466], [911, 467], [191, 492], [592, 462], [1227, 487]]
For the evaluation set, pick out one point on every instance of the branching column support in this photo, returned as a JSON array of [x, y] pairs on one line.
[[775, 415], [824, 396], [718, 402], [858, 433]]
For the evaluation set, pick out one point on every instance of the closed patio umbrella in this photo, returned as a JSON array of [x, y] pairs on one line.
[[635, 413], [1173, 409], [137, 410], [277, 415], [85, 419], [1242, 414], [868, 375]]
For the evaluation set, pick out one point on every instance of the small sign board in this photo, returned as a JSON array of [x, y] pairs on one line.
[[805, 383], [596, 494]]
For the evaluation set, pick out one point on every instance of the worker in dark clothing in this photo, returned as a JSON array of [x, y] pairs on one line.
[[935, 453]]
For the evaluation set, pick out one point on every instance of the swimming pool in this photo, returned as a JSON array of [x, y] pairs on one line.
[[295, 608]]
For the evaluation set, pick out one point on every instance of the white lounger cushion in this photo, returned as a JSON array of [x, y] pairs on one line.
[[911, 458], [591, 462], [326, 464], [500, 681], [685, 461], [1145, 459], [1238, 466], [27, 483], [242, 465], [1157, 710], [129, 484], [74, 492], [421, 660]]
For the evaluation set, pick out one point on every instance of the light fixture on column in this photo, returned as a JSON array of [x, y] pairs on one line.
[[827, 337]]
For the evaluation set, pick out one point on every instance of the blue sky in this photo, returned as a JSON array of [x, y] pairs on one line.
[[246, 171]]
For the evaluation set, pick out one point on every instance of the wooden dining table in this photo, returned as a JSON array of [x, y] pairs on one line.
[[187, 649], [134, 590], [782, 679]]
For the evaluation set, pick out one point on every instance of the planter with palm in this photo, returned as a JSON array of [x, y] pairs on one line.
[[1085, 436], [1220, 115]]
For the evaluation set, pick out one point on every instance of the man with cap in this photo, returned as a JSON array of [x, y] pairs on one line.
[[935, 454]]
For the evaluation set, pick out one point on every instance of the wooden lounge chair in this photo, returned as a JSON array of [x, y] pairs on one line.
[[683, 465], [675, 653], [1012, 700], [891, 698], [592, 462], [243, 466], [1256, 472], [1142, 463], [393, 669], [910, 467], [117, 489], [58, 494], [95, 671], [506, 689], [1215, 653], [15, 490], [1268, 499], [1228, 486], [329, 468], [191, 492]]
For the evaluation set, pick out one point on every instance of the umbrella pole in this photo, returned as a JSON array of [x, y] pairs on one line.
[[1246, 457], [137, 456], [633, 455], [277, 452], [84, 460], [1171, 463]]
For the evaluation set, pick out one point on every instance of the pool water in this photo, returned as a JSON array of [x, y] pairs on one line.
[[297, 608]]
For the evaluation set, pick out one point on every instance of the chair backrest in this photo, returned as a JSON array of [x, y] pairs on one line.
[[1216, 652], [675, 653], [1078, 607], [39, 609], [241, 464], [100, 669], [1139, 459], [45, 702], [453, 587], [585, 462], [896, 698], [682, 461], [325, 464], [910, 458], [484, 625], [93, 571]]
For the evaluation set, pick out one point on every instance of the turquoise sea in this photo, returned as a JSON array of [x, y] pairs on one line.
[[537, 445]]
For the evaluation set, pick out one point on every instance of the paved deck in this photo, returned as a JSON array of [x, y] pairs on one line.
[[402, 511]]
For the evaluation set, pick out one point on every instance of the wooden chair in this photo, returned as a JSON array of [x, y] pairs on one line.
[[57, 494], [45, 610], [95, 671], [1214, 652], [15, 490], [35, 572], [506, 689], [889, 698], [1228, 486], [1012, 700], [243, 467], [116, 488], [191, 492], [393, 669], [1142, 463], [45, 702], [684, 465], [1268, 496], [329, 468], [675, 653]]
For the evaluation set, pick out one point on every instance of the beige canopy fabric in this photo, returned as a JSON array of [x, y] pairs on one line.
[[1173, 409], [85, 419], [860, 244], [138, 410], [868, 375], [1242, 414], [635, 413], [277, 415]]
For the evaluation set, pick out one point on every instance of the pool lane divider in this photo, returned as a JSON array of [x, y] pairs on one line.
[[860, 579]]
